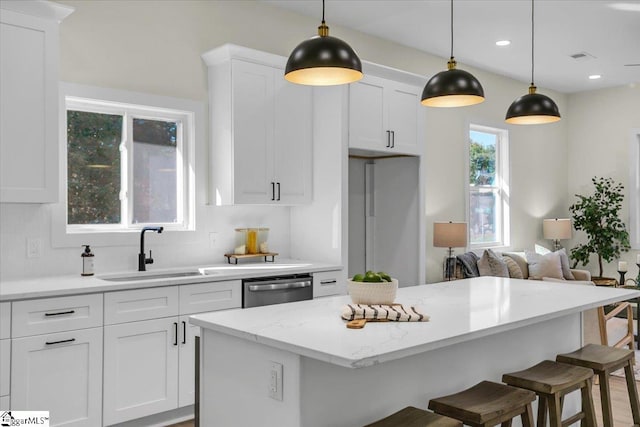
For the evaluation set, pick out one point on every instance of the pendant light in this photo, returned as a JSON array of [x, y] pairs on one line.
[[532, 108], [323, 61], [453, 87]]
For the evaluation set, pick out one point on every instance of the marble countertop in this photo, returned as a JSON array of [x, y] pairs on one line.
[[460, 311], [72, 285]]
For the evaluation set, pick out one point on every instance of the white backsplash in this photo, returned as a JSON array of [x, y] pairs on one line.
[[19, 222]]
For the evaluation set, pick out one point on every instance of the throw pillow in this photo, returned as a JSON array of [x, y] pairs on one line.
[[564, 263], [515, 272], [548, 265], [564, 260], [491, 264]]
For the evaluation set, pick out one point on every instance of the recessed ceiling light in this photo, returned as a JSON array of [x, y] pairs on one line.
[[594, 76], [503, 42]]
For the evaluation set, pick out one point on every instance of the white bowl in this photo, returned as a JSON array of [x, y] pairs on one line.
[[372, 292]]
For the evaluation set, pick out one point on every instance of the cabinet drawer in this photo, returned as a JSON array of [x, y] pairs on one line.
[[5, 367], [5, 403], [5, 320], [43, 316], [327, 283], [140, 304], [201, 297]]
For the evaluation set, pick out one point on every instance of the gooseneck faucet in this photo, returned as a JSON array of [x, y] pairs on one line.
[[142, 257]]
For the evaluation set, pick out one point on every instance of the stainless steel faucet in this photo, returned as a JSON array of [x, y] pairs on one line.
[[142, 257]]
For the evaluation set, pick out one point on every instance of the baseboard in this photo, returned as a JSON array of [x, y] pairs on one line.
[[162, 419]]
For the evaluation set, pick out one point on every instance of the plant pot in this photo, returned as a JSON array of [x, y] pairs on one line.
[[604, 281]]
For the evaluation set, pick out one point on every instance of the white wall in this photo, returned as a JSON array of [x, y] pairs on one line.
[[599, 138], [155, 47]]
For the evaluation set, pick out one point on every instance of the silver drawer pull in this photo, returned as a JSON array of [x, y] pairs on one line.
[[279, 286], [60, 342], [328, 282], [60, 313]]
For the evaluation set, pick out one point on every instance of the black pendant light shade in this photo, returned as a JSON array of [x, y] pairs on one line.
[[532, 108], [452, 88], [323, 61]]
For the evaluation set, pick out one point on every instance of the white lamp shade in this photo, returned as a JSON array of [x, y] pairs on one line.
[[556, 229], [450, 234]]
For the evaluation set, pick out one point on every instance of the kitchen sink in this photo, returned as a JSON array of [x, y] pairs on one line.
[[146, 276]]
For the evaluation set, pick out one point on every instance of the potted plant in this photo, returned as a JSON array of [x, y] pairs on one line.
[[598, 216]]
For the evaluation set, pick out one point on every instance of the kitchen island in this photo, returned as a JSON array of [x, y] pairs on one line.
[[333, 376]]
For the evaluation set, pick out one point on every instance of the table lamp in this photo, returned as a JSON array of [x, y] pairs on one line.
[[450, 235], [556, 230]]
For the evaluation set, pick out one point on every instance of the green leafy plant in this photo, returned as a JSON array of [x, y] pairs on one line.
[[598, 216]]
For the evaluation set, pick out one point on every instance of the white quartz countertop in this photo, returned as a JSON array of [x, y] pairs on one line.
[[71, 285], [460, 311]]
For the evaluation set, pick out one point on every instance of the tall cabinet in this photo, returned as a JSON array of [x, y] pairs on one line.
[[29, 100], [261, 130]]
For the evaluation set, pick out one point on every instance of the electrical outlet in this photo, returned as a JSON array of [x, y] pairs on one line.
[[213, 237], [275, 381], [34, 247]]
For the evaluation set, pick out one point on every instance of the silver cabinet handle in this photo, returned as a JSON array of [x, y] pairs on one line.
[[393, 139], [278, 191], [279, 286], [388, 139], [273, 190], [328, 282], [184, 332]]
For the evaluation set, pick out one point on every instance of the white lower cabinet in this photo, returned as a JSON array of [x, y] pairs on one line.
[[60, 373], [5, 371], [140, 369], [186, 375]]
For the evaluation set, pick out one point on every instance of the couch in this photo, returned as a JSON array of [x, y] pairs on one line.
[[616, 328]]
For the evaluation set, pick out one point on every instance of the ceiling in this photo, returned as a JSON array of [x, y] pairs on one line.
[[608, 31]]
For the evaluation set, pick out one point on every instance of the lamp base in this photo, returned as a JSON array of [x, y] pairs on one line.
[[449, 272]]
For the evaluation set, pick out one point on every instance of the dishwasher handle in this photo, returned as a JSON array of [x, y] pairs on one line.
[[279, 286]]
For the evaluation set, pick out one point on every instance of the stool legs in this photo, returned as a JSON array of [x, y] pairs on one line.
[[605, 399], [587, 406], [633, 391], [527, 417]]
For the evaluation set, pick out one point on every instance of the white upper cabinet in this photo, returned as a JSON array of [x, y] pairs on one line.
[[385, 115], [261, 130], [29, 100]]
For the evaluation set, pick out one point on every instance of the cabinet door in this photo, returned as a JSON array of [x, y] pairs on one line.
[[140, 369], [293, 142], [367, 116], [186, 378], [5, 367], [29, 109], [253, 100], [404, 118], [60, 373]]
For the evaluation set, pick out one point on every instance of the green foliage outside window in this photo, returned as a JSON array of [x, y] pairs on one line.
[[482, 163], [93, 168]]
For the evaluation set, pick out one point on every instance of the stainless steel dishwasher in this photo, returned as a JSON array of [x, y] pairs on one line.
[[276, 290]]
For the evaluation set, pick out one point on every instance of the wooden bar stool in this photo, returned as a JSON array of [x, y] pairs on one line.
[[604, 360], [551, 381], [414, 417], [487, 404]]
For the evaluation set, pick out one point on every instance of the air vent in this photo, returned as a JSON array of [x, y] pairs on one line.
[[632, 65], [582, 56]]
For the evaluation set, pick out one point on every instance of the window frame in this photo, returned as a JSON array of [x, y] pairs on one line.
[[634, 190], [503, 188], [192, 115]]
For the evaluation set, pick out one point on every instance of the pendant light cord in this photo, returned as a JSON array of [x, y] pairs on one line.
[[532, 40], [323, 11], [451, 29]]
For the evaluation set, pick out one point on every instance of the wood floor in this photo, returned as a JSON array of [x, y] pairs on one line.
[[619, 403]]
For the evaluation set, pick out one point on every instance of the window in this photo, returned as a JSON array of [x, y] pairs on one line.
[[127, 166], [634, 190], [488, 208]]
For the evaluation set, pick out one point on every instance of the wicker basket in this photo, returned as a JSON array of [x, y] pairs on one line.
[[373, 293]]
